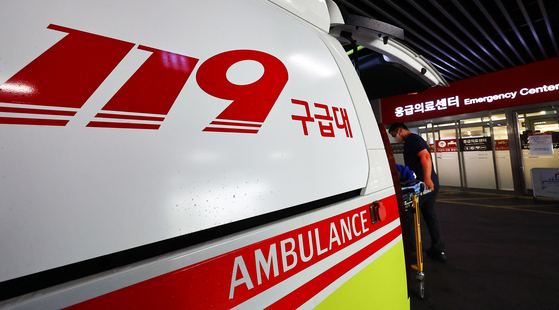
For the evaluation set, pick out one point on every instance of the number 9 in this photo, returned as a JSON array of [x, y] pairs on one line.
[[252, 102]]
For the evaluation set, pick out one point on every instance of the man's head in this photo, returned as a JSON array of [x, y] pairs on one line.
[[398, 131]]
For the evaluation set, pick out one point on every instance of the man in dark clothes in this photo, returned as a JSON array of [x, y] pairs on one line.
[[417, 156]]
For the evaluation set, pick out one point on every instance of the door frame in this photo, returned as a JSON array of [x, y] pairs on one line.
[[515, 145]]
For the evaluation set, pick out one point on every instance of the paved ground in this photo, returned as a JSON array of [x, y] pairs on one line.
[[503, 253]]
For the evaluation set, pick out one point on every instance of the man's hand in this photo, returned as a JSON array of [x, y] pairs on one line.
[[430, 185]]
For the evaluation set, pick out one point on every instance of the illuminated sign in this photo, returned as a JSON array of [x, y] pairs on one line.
[[524, 85], [433, 105], [454, 102]]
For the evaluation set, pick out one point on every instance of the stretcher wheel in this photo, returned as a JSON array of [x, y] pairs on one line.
[[421, 278]]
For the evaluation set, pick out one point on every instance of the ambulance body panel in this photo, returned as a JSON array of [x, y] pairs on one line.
[[129, 187], [126, 284], [314, 12], [126, 124]]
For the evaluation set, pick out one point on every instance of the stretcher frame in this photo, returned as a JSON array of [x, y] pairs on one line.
[[411, 196]]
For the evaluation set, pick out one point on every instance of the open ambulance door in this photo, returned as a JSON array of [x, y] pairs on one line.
[[387, 67]]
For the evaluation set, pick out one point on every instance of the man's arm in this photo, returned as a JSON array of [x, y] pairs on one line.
[[427, 165]]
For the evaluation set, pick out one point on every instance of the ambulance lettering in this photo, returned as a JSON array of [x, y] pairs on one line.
[[51, 89], [61, 80], [325, 120], [282, 267], [150, 92], [296, 250], [251, 103]]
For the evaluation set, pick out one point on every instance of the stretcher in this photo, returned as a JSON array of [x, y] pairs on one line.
[[411, 191]]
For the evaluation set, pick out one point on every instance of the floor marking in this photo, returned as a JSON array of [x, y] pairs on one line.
[[476, 198], [518, 208]]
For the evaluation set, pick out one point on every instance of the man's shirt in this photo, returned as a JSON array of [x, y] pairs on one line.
[[412, 146]]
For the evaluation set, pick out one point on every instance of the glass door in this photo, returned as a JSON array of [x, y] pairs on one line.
[[446, 150], [477, 153], [539, 139]]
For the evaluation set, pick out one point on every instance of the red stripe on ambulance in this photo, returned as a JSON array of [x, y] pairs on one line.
[[308, 290], [230, 279]]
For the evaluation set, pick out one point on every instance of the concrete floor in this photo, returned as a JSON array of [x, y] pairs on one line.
[[503, 253]]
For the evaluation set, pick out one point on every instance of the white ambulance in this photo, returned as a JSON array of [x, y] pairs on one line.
[[196, 154]]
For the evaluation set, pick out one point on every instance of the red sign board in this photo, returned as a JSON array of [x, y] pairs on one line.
[[445, 146], [528, 84], [501, 145]]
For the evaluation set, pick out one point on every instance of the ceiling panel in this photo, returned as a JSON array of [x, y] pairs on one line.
[[466, 38]]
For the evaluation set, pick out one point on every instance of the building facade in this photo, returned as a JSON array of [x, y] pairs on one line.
[[490, 131]]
